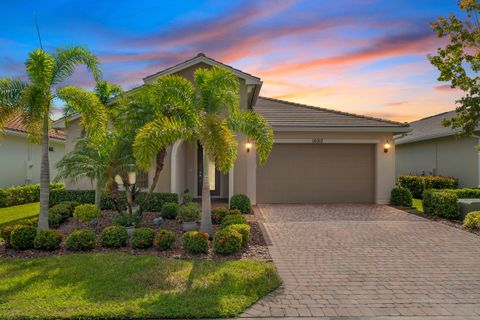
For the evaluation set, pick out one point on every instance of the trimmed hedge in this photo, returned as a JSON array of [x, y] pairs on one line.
[[86, 212], [142, 238], [227, 241], [154, 203], [48, 240], [243, 229], [233, 219], [22, 237], [417, 184], [164, 239], [401, 196], [195, 242], [442, 203], [472, 220], [241, 202], [114, 237], [81, 240], [29, 193]]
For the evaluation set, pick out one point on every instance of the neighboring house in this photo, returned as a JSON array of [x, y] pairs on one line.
[[20, 158], [432, 149], [319, 155]]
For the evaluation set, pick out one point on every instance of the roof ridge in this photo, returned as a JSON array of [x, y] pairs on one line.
[[433, 116], [335, 111]]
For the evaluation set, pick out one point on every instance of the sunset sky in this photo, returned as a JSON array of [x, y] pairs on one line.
[[361, 56]]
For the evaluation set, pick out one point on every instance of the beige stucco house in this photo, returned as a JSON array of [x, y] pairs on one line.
[[319, 155], [432, 149], [20, 158]]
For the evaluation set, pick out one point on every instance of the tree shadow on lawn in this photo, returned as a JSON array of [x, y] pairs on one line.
[[140, 285]]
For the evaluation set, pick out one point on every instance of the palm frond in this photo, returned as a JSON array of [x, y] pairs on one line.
[[94, 114], [155, 135], [40, 67], [255, 127], [66, 60], [106, 90], [11, 91]]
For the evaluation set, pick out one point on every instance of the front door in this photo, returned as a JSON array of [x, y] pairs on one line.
[[214, 190]]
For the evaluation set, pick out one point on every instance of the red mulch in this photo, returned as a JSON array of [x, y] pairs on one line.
[[257, 248]]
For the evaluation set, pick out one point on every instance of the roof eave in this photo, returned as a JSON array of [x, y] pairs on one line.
[[24, 134], [343, 129]]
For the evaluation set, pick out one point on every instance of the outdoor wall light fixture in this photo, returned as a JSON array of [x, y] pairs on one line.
[[386, 146], [248, 145]]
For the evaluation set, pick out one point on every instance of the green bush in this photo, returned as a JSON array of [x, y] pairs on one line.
[[114, 237], [218, 214], [6, 232], [243, 229], [142, 238], [417, 184], [154, 203], [233, 219], [81, 240], [127, 220], [64, 209], [47, 240], [195, 242], [465, 193], [164, 239], [187, 197], [170, 210], [22, 237], [472, 220], [86, 212], [189, 212], [401, 196], [13, 196], [58, 214], [241, 202], [71, 205], [227, 241], [441, 203]]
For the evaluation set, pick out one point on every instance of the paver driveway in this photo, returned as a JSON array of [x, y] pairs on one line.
[[367, 261]]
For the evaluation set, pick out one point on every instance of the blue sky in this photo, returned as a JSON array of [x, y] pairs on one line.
[[363, 56]]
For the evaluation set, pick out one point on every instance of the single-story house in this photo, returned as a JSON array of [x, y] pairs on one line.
[[20, 158], [319, 155], [432, 149]]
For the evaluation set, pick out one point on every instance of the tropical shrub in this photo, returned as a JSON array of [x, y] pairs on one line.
[[13, 196], [472, 220], [6, 232], [233, 219], [227, 241], [441, 203], [154, 203], [58, 214], [142, 238], [81, 240], [401, 196], [127, 220], [465, 193], [187, 197], [189, 212], [164, 239], [243, 229], [47, 240], [195, 242], [86, 212], [22, 237], [218, 214], [241, 202], [71, 205], [114, 237], [417, 184], [170, 210]]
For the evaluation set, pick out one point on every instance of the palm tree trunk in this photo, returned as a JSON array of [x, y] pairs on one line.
[[206, 222], [159, 163], [44, 178], [98, 194]]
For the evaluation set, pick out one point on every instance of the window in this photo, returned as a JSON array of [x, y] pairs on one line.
[[142, 179], [51, 149]]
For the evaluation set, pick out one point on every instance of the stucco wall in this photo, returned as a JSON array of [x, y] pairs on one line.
[[451, 156], [16, 151]]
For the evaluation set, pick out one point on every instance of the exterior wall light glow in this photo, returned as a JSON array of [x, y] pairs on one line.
[[248, 145], [386, 147]]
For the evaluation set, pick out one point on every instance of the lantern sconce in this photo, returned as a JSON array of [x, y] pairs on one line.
[[386, 146], [248, 145]]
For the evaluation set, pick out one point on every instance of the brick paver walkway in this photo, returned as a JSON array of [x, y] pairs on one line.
[[368, 261]]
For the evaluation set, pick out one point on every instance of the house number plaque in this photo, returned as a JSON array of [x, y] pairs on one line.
[[317, 140]]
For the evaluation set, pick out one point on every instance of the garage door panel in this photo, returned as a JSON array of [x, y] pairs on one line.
[[310, 173]]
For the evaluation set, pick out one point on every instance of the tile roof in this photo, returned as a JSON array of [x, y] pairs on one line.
[[428, 128], [15, 124], [281, 113]]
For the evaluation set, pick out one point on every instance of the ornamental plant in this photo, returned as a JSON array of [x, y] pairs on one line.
[[81, 240], [227, 241], [164, 239], [401, 197], [142, 238], [472, 220], [243, 229], [86, 212], [48, 240], [218, 214], [189, 212], [195, 242], [233, 219], [22, 237], [114, 237], [170, 210], [241, 202]]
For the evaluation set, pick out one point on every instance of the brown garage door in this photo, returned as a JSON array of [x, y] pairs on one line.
[[318, 173]]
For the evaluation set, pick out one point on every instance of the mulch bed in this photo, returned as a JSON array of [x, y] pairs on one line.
[[257, 248], [452, 223]]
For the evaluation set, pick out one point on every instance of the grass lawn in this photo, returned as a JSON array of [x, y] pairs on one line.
[[130, 286], [417, 204], [19, 212]]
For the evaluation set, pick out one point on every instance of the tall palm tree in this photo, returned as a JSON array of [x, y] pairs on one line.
[[212, 104], [33, 99]]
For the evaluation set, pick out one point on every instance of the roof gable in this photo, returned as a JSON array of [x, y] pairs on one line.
[[16, 124], [286, 114]]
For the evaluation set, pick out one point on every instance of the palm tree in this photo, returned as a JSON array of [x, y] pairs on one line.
[[33, 99], [216, 117]]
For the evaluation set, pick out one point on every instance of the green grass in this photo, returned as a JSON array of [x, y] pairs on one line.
[[418, 204], [11, 214], [130, 286]]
